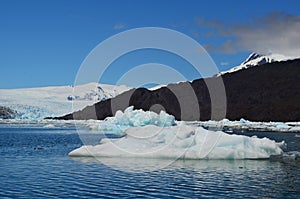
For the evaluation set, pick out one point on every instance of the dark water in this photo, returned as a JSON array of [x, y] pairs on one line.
[[34, 164]]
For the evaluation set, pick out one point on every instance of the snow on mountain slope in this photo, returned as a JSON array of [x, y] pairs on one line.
[[37, 103], [255, 59]]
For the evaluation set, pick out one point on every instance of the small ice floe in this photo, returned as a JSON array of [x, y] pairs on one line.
[[49, 126], [248, 126], [291, 156]]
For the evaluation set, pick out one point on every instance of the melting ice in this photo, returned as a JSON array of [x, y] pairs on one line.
[[133, 118], [151, 135]]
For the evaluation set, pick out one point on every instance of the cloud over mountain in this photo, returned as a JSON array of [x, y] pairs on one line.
[[273, 33]]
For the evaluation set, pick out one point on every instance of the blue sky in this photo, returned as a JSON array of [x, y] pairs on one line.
[[43, 43]]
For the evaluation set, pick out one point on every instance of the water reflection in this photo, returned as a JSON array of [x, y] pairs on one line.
[[136, 165], [255, 178]]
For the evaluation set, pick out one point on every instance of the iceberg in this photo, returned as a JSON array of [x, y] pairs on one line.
[[180, 141], [134, 118], [145, 134]]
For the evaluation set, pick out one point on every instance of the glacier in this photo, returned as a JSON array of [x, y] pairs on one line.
[[38, 103]]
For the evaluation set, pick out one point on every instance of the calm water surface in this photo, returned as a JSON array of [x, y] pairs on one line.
[[34, 164]]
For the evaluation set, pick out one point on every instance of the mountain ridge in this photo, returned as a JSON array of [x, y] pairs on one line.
[[268, 93]]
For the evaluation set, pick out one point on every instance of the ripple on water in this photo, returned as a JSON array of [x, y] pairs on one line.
[[50, 173]]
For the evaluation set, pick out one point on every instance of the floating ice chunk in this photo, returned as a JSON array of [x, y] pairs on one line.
[[288, 157], [135, 118], [49, 126], [282, 126], [182, 141], [245, 125], [242, 120]]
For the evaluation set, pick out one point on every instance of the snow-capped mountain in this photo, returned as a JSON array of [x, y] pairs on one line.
[[255, 59], [37, 103], [256, 94]]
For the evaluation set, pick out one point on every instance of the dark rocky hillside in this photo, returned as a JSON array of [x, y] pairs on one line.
[[270, 92], [7, 113]]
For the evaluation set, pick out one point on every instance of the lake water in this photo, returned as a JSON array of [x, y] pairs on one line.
[[34, 164]]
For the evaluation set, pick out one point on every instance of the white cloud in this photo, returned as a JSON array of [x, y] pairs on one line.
[[273, 33]]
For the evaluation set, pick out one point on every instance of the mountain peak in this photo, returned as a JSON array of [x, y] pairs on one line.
[[252, 56], [255, 59]]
